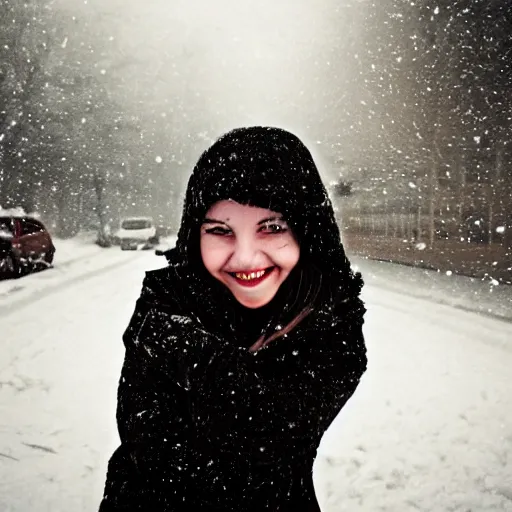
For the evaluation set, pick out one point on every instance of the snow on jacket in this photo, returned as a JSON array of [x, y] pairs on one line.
[[207, 425]]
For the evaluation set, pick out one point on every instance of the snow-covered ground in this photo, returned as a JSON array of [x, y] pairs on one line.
[[485, 296], [429, 429], [75, 259]]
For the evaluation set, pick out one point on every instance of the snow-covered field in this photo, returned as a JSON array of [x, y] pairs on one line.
[[75, 259], [429, 429], [485, 296]]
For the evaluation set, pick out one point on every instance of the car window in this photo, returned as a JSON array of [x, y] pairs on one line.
[[134, 224], [38, 225], [29, 226], [6, 228]]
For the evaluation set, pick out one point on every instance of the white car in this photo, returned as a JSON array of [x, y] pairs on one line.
[[135, 231]]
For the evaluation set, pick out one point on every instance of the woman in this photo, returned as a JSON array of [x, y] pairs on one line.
[[243, 350]]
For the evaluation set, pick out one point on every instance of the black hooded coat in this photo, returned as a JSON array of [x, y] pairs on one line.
[[206, 424]]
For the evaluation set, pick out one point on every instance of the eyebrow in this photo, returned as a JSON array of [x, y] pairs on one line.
[[262, 221], [270, 219], [213, 221]]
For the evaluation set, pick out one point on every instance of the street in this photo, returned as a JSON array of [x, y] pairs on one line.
[[430, 427]]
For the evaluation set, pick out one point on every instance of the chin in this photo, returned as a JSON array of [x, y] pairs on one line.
[[254, 304]]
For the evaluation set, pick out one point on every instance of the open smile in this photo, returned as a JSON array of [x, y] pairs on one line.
[[253, 277]]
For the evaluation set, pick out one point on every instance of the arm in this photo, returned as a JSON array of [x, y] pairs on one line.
[[306, 386], [279, 401], [341, 365], [335, 362], [152, 416]]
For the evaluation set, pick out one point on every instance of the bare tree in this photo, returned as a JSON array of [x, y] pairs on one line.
[[25, 43]]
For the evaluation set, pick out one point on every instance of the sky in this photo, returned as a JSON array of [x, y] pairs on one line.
[[342, 75], [202, 65]]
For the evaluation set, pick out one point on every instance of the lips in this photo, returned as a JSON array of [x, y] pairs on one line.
[[251, 278]]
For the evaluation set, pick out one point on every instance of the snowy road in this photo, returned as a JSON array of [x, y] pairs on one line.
[[429, 429]]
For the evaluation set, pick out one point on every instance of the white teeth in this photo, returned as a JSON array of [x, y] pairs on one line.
[[252, 275]]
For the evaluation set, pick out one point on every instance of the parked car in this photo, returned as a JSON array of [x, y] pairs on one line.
[[25, 245], [135, 231]]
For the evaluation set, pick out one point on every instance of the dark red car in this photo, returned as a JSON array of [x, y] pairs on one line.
[[25, 245]]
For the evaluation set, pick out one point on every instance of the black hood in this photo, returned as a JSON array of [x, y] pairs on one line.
[[269, 168]]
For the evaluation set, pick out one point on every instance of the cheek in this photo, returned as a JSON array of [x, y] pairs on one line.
[[286, 253], [213, 254]]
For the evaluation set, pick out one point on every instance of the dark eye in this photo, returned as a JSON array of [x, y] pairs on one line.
[[274, 228], [217, 230]]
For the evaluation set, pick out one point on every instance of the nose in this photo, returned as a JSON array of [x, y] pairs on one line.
[[246, 254]]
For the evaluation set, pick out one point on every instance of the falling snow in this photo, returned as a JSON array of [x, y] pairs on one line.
[[407, 107]]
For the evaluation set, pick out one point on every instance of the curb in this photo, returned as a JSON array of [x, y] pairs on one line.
[[438, 300], [426, 266]]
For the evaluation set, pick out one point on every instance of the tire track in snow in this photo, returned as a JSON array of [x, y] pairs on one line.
[[10, 307]]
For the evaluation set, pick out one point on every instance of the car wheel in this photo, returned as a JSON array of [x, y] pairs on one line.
[[48, 257], [9, 267]]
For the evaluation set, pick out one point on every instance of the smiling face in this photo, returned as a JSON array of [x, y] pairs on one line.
[[248, 249]]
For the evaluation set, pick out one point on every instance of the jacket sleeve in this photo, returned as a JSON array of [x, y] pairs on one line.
[[152, 416], [338, 361], [311, 382], [343, 362]]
